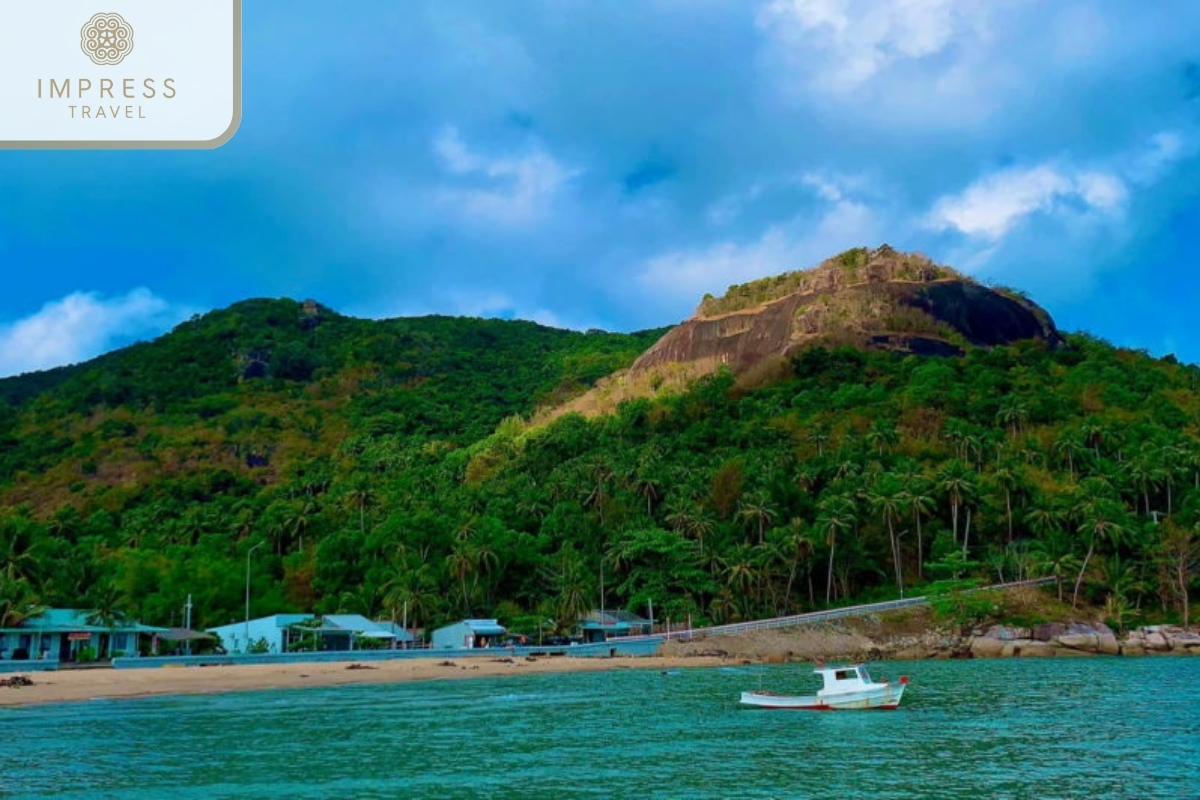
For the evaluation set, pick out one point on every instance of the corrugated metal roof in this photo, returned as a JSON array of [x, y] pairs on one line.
[[70, 620], [183, 635], [613, 617], [396, 629], [351, 622]]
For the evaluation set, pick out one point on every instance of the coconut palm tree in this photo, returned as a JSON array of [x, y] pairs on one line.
[[888, 500], [836, 516], [957, 481], [107, 601], [18, 603], [757, 509], [1102, 520]]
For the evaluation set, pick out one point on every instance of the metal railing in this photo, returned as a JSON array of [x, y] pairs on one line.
[[795, 620]]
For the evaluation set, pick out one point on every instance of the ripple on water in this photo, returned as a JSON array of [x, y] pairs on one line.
[[1046, 728]]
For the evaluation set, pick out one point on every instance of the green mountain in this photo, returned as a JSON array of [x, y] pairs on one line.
[[396, 464]]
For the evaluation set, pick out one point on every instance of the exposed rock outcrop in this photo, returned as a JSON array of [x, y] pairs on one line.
[[879, 299], [869, 640]]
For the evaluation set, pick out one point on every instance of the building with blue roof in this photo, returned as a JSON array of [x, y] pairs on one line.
[[468, 634], [283, 633], [599, 626], [63, 634]]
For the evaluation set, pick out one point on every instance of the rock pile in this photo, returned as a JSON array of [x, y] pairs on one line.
[[16, 681]]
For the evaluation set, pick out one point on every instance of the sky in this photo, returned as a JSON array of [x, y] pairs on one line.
[[604, 164]]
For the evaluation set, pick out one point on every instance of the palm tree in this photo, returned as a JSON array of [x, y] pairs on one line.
[[820, 437], [1011, 414], [461, 565], [1145, 473], [799, 544], [360, 496], [18, 603], [1052, 554], [411, 594], [1102, 520], [836, 515], [921, 503], [643, 483], [1069, 446], [882, 435], [888, 500], [757, 509], [742, 577], [599, 473], [1094, 432], [692, 521], [568, 577], [107, 601], [957, 482], [19, 549]]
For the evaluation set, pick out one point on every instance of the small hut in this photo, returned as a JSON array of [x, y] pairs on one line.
[[468, 634]]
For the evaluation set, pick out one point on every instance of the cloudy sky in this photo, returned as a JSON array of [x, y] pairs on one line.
[[604, 164]]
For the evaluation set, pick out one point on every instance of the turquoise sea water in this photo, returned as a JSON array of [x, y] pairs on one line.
[[984, 729]]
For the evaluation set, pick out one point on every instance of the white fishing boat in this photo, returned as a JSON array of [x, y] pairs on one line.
[[846, 688]]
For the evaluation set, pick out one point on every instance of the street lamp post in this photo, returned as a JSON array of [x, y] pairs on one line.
[[899, 569], [248, 552]]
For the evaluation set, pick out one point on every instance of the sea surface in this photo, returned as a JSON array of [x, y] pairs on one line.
[[1058, 728]]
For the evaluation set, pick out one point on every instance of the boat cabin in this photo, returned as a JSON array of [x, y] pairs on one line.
[[844, 679]]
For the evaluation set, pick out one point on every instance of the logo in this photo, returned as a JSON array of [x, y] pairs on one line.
[[106, 39], [68, 82]]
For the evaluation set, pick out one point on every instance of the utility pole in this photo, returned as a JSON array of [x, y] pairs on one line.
[[248, 552], [187, 624]]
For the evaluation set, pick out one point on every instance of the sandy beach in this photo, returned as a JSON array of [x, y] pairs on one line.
[[79, 685]]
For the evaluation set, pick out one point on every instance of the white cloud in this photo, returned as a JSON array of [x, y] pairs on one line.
[[828, 187], [1161, 153], [994, 204], [684, 275], [81, 326], [851, 41], [511, 191]]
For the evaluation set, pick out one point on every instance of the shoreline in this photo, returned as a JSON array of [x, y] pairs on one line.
[[73, 686], [910, 635]]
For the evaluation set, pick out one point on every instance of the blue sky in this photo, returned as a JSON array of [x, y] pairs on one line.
[[588, 164]]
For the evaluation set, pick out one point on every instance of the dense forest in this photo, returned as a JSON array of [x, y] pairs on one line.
[[380, 466]]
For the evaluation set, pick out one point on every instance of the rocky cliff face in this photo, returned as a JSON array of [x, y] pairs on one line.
[[880, 299]]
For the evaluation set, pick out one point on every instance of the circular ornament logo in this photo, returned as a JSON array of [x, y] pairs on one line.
[[106, 39]]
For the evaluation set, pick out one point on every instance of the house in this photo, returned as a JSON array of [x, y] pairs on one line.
[[404, 638], [182, 641], [66, 634], [468, 634], [599, 626], [283, 633]]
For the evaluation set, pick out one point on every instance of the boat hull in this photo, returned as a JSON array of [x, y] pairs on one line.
[[885, 698]]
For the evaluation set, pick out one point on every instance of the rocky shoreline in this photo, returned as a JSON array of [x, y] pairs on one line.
[[878, 639]]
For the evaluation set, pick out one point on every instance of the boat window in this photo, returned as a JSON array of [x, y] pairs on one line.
[[845, 675], [862, 672]]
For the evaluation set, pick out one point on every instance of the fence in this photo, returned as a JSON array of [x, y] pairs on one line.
[[796, 620]]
